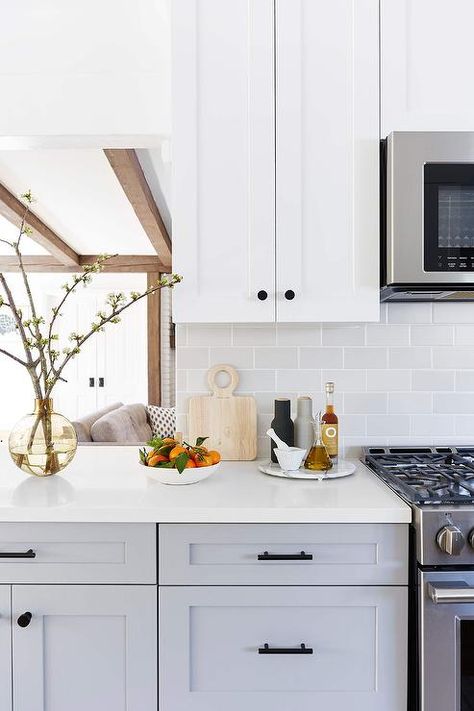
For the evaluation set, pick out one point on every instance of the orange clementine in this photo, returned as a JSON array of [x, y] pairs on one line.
[[156, 459], [215, 456], [204, 461], [190, 464], [175, 452]]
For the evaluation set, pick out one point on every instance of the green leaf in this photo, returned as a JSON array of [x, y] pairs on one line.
[[165, 465], [143, 455], [155, 442], [181, 461], [200, 440]]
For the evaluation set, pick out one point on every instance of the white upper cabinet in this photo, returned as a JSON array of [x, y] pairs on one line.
[[427, 65], [275, 153], [223, 160], [327, 145]]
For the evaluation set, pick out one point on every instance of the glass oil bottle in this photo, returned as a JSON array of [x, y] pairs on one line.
[[318, 458]]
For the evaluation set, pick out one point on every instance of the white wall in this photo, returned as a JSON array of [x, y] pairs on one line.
[[407, 380]]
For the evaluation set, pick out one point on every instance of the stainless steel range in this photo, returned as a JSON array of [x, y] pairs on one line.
[[438, 482]]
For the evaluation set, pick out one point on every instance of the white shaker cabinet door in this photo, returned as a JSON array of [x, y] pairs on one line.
[[426, 65], [213, 654], [223, 160], [327, 170], [5, 649], [86, 648]]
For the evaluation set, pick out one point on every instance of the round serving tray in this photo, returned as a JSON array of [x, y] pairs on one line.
[[341, 469]]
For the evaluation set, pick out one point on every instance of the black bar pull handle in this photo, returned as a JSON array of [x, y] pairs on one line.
[[101, 382], [285, 556], [91, 382], [302, 649], [12, 554], [24, 619]]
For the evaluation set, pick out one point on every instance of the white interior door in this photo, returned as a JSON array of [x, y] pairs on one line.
[[122, 359], [223, 160], [327, 171], [5, 649], [87, 647], [427, 65]]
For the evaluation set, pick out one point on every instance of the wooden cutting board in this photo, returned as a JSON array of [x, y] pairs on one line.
[[228, 420]]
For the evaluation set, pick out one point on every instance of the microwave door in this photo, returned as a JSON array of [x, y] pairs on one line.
[[448, 230]]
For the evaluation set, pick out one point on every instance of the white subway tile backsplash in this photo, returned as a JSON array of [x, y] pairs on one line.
[[298, 334], [238, 357], [299, 380], [410, 313], [389, 425], [343, 335], [254, 335], [465, 426], [456, 357], [257, 380], [450, 312], [464, 335], [209, 335], [432, 425], [366, 358], [346, 380], [410, 403], [407, 380], [386, 380], [276, 357], [409, 358], [432, 380], [454, 403], [321, 358], [192, 358], [387, 335], [365, 403], [432, 335], [465, 380]]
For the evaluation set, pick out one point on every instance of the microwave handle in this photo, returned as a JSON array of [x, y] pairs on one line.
[[456, 591]]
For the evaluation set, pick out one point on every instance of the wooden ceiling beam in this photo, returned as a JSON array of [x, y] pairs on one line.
[[127, 168], [121, 263], [13, 210]]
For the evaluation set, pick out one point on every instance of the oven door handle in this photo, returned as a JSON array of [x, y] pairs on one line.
[[450, 592]]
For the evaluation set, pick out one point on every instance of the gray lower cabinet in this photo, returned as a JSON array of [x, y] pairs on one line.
[[5, 649], [213, 654], [88, 647]]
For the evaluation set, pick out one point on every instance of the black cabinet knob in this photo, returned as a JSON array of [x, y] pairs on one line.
[[289, 294], [262, 295], [24, 619]]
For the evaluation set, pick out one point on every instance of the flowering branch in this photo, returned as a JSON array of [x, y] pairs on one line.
[[46, 367]]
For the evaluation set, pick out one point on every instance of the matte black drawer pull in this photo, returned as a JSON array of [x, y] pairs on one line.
[[24, 619], [302, 649], [10, 554], [285, 556]]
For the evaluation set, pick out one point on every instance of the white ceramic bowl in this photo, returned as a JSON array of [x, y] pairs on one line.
[[290, 459], [172, 476]]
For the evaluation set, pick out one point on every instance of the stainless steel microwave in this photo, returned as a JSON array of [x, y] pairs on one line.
[[427, 216]]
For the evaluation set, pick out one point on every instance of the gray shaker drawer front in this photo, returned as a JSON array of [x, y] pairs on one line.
[[283, 554], [77, 553], [237, 648]]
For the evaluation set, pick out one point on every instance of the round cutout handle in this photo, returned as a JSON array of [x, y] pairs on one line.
[[227, 390]]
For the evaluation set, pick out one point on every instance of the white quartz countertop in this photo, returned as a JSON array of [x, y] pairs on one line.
[[107, 484]]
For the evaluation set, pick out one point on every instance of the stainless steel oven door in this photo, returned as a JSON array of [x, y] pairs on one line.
[[446, 619], [430, 208]]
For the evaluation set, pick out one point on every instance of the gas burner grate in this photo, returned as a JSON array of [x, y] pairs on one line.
[[427, 477]]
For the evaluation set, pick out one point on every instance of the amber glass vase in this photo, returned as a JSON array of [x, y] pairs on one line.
[[44, 442]]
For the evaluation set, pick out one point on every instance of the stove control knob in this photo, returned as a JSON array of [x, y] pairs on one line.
[[470, 538], [450, 539]]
